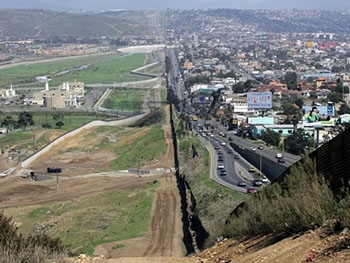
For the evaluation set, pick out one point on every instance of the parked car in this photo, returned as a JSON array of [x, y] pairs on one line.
[[236, 156], [223, 143], [260, 147], [242, 183], [217, 147], [257, 182], [251, 191], [220, 158], [230, 151]]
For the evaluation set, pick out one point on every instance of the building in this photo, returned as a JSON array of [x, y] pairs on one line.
[[65, 96], [8, 92]]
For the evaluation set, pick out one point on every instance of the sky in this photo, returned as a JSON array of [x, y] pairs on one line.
[[64, 5]]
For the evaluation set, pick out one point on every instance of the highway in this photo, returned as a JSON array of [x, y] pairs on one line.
[[236, 169], [264, 160]]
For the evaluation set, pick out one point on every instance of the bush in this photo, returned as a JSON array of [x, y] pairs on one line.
[[33, 249], [301, 201]]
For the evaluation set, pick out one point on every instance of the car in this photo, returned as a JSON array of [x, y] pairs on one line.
[[242, 183], [217, 147], [251, 169], [260, 147], [236, 157], [221, 166], [230, 151], [251, 191], [222, 134], [223, 143], [257, 182], [264, 179], [279, 155], [281, 160], [230, 139], [223, 173], [220, 159], [253, 148]]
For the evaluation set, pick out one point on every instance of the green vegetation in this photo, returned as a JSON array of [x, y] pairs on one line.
[[96, 219], [37, 135], [96, 222], [143, 149], [125, 99], [301, 201], [90, 69], [29, 249]]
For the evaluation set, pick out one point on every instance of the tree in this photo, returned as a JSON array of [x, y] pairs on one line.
[[57, 116], [238, 88], [8, 122], [297, 142], [291, 79], [59, 124], [25, 119], [46, 126], [343, 109], [270, 137]]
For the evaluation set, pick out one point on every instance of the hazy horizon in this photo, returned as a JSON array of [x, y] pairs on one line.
[[64, 5]]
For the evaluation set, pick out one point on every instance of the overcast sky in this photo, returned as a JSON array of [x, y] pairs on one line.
[[343, 5]]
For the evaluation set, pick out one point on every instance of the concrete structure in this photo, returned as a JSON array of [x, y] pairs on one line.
[[8, 92], [65, 96]]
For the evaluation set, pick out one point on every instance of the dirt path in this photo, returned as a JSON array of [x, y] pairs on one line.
[[164, 238]]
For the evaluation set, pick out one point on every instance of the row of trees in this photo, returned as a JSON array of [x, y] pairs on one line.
[[25, 119]]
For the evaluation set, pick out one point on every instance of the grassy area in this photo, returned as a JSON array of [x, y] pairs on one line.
[[92, 220], [143, 149], [37, 136], [92, 69], [125, 99]]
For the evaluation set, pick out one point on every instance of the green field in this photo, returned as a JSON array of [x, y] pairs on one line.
[[107, 68], [150, 146], [125, 99], [37, 136], [93, 220]]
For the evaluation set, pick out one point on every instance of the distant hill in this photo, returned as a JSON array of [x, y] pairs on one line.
[[26, 23]]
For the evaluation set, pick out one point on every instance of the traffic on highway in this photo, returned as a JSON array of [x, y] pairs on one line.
[[235, 161]]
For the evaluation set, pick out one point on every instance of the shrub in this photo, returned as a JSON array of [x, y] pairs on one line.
[[301, 201], [33, 249]]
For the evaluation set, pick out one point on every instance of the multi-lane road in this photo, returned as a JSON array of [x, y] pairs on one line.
[[236, 167], [234, 154]]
